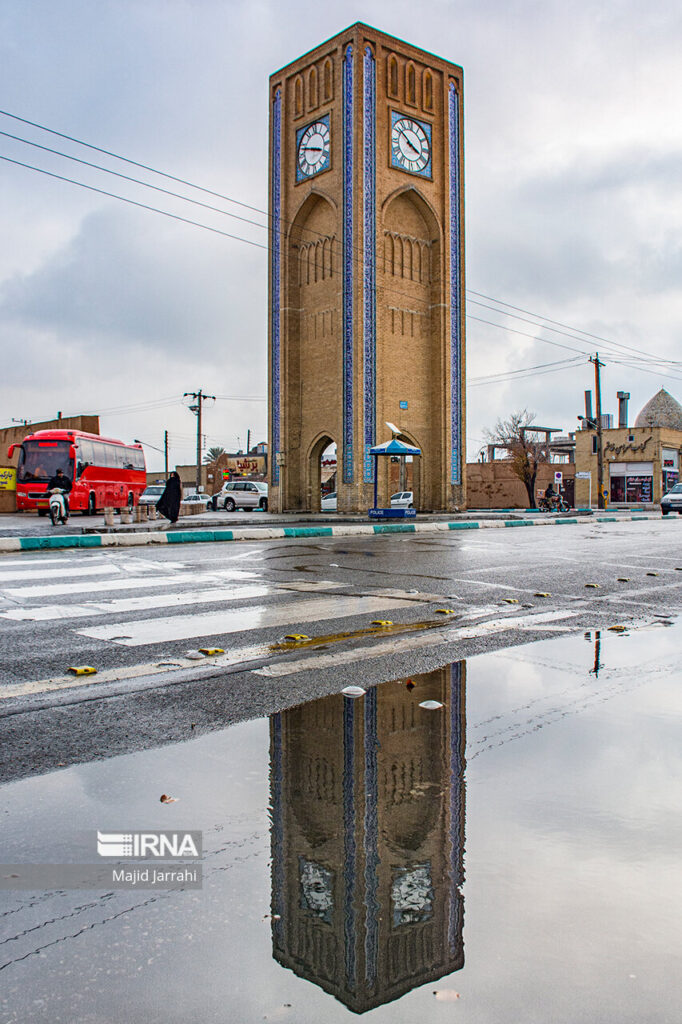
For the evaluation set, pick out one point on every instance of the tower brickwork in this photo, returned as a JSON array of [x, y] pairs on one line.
[[366, 317]]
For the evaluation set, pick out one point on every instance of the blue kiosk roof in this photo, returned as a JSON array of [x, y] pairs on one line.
[[394, 447]]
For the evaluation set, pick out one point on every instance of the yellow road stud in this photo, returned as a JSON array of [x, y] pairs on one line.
[[541, 593], [617, 629], [593, 586], [208, 651], [652, 574], [82, 670], [623, 579], [296, 636], [381, 622], [445, 611], [510, 600]]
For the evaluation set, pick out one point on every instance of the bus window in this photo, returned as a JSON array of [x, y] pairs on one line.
[[40, 461]]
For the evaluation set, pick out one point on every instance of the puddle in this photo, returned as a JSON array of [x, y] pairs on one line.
[[515, 849]]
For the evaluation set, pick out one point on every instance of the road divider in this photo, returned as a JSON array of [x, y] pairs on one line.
[[207, 536]]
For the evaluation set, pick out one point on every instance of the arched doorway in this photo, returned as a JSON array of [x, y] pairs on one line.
[[321, 470]]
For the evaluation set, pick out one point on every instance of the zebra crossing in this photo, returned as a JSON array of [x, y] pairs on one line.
[[118, 600]]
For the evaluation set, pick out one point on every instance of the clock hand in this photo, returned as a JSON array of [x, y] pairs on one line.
[[411, 144], [312, 149]]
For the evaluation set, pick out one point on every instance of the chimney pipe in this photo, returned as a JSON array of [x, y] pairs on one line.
[[623, 397], [588, 405]]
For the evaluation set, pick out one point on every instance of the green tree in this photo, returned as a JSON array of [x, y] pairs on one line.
[[213, 454]]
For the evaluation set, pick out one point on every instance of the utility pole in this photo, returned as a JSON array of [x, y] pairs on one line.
[[600, 451], [165, 450], [248, 441], [199, 398]]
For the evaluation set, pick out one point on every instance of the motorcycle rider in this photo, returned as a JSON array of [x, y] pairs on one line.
[[62, 481], [550, 494]]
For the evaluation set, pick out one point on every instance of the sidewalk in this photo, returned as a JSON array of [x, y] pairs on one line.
[[215, 526]]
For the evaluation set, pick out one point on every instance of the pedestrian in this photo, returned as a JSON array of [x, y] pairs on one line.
[[169, 502]]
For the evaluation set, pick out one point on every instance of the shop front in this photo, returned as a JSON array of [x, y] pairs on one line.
[[670, 468], [631, 482]]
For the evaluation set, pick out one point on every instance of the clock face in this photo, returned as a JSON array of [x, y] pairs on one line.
[[410, 144], [313, 152]]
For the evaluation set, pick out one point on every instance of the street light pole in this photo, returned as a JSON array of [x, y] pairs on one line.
[[199, 398]]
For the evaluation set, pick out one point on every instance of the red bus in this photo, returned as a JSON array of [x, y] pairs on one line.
[[104, 473]]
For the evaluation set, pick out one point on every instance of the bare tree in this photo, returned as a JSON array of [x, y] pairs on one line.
[[527, 447]]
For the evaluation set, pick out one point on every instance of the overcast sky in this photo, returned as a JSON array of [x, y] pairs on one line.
[[573, 145]]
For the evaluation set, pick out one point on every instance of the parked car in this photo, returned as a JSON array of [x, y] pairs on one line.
[[151, 494], [402, 499], [198, 497], [243, 494], [672, 501], [328, 503]]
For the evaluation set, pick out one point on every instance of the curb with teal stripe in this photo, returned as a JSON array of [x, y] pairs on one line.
[[10, 544]]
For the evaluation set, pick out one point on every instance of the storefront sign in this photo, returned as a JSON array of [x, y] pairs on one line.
[[8, 478]]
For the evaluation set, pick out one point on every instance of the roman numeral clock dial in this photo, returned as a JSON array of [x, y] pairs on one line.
[[410, 145], [313, 151]]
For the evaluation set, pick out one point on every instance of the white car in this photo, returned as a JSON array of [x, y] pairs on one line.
[[151, 494], [198, 497], [328, 503], [402, 499], [672, 501], [243, 494]]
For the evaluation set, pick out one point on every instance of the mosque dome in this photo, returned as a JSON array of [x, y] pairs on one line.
[[661, 411]]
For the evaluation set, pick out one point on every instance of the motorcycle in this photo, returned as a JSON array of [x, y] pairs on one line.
[[58, 509], [553, 503]]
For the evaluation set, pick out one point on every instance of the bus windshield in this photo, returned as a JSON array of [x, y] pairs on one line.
[[40, 460]]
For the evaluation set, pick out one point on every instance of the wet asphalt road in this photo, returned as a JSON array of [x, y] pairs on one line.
[[134, 615]]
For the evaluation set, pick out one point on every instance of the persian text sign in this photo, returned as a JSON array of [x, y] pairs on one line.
[[8, 478]]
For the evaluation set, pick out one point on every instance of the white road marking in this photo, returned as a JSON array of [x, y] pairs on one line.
[[150, 668], [184, 627], [544, 621], [38, 574], [184, 599], [27, 560], [86, 586]]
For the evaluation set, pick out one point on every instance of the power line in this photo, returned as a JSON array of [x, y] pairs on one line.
[[524, 370], [638, 352], [135, 181], [558, 323], [132, 202]]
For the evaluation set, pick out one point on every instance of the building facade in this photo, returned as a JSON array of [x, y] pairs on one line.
[[366, 312], [368, 822]]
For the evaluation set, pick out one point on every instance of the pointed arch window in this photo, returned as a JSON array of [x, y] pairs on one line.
[[411, 84], [298, 97], [427, 91], [328, 80], [312, 88], [392, 76]]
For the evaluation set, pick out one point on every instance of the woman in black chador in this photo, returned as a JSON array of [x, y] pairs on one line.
[[169, 502]]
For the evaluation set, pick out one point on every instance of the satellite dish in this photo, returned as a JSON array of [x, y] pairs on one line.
[[392, 427]]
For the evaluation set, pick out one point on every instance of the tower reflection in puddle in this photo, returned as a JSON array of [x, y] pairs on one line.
[[368, 838]]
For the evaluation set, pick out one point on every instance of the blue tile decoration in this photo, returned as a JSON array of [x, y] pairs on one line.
[[369, 262], [455, 293], [349, 846], [457, 765], [275, 262], [277, 818], [348, 253], [371, 838]]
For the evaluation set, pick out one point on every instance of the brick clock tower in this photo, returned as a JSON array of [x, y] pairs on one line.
[[366, 303]]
